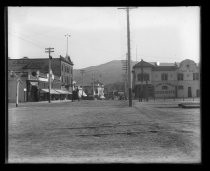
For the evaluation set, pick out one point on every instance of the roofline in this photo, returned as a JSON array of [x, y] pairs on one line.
[[31, 58], [60, 58]]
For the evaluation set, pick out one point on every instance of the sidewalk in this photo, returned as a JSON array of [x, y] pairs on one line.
[[11, 105]]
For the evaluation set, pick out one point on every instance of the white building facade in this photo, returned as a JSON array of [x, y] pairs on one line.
[[166, 80]]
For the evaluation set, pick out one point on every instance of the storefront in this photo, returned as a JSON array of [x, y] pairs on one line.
[[38, 89]]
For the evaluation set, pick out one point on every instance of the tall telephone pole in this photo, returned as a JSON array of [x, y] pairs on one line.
[[67, 36], [129, 56], [125, 68], [82, 72], [49, 50]]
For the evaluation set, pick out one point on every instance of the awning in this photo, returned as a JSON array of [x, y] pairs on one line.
[[62, 91], [44, 90], [34, 83], [52, 91]]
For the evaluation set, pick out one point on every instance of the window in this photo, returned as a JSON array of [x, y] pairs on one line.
[[180, 87], [164, 77], [139, 77], [145, 77], [62, 67], [69, 80], [195, 76], [180, 76], [164, 87]]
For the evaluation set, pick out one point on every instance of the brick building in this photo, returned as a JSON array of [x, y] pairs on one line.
[[34, 75]]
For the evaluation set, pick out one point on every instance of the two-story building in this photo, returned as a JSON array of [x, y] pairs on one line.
[[166, 80], [35, 74]]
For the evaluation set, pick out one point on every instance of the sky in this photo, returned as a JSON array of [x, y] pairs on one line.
[[99, 34]]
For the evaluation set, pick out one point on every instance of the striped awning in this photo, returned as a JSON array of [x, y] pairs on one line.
[[62, 91], [52, 91]]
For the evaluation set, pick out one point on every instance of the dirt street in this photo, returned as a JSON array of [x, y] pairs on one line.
[[104, 131]]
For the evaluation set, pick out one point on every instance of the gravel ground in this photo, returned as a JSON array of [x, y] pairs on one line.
[[104, 132]]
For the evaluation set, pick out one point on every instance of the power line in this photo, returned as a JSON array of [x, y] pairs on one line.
[[41, 47]]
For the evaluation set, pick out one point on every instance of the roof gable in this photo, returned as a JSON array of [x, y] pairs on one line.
[[66, 59], [143, 64]]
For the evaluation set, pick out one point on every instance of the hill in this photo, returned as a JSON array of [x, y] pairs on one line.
[[108, 73]]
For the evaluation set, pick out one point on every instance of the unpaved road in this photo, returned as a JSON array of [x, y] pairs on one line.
[[104, 131]]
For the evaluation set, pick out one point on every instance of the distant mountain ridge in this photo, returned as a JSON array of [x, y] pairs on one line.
[[107, 73]]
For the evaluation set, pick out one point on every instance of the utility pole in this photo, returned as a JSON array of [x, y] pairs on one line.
[[125, 67], [67, 36], [82, 72], [129, 57], [17, 92], [49, 50], [142, 79]]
